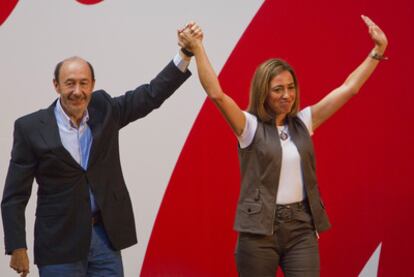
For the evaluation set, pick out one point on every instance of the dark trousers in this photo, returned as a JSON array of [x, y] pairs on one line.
[[293, 246]]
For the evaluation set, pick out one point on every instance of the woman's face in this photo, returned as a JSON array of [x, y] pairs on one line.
[[282, 93]]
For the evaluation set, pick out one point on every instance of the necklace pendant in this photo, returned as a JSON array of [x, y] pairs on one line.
[[283, 135]]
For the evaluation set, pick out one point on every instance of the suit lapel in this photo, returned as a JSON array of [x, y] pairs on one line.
[[95, 123], [49, 131]]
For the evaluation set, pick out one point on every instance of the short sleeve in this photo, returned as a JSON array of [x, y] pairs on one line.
[[246, 138], [306, 116]]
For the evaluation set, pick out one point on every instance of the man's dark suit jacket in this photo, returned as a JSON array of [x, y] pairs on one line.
[[63, 214]]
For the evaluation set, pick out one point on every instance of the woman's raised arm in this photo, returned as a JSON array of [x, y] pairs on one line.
[[334, 100], [191, 38]]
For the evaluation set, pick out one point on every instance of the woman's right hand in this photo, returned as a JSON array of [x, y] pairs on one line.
[[190, 37]]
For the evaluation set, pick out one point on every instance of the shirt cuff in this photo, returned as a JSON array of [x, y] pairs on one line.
[[180, 63]]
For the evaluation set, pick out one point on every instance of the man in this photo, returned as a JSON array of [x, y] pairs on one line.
[[84, 214]]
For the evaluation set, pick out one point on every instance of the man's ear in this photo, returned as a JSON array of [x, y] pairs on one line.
[[56, 85]]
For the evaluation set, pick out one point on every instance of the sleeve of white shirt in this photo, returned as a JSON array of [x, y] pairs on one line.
[[246, 138], [180, 63], [306, 116]]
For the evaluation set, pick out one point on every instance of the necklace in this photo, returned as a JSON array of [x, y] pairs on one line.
[[283, 133]]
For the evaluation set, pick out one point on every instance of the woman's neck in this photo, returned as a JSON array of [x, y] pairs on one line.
[[280, 119]]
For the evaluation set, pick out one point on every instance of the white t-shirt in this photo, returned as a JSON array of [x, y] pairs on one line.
[[291, 187]]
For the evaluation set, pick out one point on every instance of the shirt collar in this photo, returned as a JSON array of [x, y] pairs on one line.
[[65, 119]]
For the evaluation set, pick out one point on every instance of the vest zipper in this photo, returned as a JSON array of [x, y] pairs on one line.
[[312, 215], [310, 208], [307, 200], [274, 216], [274, 202]]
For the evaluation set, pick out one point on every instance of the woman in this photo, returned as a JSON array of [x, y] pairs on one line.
[[279, 213]]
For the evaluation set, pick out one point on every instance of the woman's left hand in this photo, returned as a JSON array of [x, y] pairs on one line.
[[190, 36], [377, 35]]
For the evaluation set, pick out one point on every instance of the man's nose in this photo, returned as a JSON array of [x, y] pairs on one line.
[[77, 89]]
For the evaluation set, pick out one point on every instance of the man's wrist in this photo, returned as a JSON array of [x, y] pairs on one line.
[[186, 52], [181, 62], [19, 250], [184, 56]]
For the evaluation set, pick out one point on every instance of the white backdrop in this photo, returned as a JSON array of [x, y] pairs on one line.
[[128, 42]]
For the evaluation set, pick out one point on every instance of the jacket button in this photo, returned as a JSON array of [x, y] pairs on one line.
[[249, 210]]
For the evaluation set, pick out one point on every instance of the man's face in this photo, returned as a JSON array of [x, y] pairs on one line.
[[75, 86]]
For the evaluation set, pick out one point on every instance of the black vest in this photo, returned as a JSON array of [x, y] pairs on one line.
[[260, 165]]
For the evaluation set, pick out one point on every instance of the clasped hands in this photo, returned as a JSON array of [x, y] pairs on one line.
[[190, 36]]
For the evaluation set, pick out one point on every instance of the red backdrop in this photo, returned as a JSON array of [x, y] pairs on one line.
[[363, 153]]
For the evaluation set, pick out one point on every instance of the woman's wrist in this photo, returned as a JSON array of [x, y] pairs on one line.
[[378, 53], [197, 48], [379, 49]]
